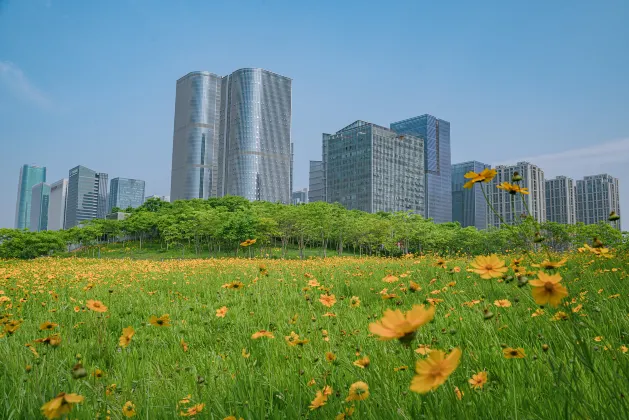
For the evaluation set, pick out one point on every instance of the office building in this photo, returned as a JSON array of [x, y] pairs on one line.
[[125, 193], [300, 196], [512, 207], [165, 198], [40, 197], [560, 200], [57, 204], [469, 207], [316, 182], [30, 175], [373, 168], [232, 136], [436, 135], [87, 196], [597, 196]]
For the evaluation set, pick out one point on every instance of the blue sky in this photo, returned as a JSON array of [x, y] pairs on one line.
[[93, 83]]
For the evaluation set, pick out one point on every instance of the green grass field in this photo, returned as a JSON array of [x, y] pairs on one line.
[[584, 373]]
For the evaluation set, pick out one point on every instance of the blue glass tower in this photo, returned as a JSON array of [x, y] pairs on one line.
[[469, 207], [436, 135], [29, 177]]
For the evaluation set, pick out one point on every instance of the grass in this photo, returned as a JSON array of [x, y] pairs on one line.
[[577, 376]]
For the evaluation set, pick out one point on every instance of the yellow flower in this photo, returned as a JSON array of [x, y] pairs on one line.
[[433, 371], [551, 265], [414, 286], [184, 345], [423, 349], [48, 326], [125, 338], [294, 340], [60, 405], [358, 391], [362, 362], [354, 302], [96, 306], [511, 353], [319, 401], [262, 333], [389, 278], [488, 267], [192, 411], [546, 289], [512, 188], [162, 321], [98, 373], [560, 316], [459, 394], [485, 175], [330, 357], [502, 303], [348, 412], [245, 353], [327, 300], [478, 380], [128, 410], [221, 312], [395, 324], [233, 285]]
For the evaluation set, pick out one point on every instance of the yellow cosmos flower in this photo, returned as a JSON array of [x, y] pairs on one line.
[[162, 321], [262, 333], [96, 306], [485, 175], [358, 391], [362, 362], [128, 409], [127, 335], [47, 326], [512, 353], [547, 290], [397, 325], [221, 312], [489, 267], [60, 405], [433, 371], [478, 380]]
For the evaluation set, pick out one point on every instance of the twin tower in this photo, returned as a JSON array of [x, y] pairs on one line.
[[232, 136]]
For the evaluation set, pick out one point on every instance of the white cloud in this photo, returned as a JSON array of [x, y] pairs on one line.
[[16, 81]]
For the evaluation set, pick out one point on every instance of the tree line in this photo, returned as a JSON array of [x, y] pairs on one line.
[[219, 225]]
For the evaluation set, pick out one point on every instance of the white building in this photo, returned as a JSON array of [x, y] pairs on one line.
[[560, 200], [597, 196], [165, 198], [57, 204], [40, 196]]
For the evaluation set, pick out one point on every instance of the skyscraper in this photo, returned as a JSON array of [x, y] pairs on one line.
[[373, 168], [300, 196], [469, 207], [125, 193], [316, 181], [232, 136], [57, 204], [560, 200], [29, 176], [512, 207], [597, 196], [87, 196], [40, 195], [437, 164]]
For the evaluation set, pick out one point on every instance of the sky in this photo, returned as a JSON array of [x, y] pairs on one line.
[[93, 83]]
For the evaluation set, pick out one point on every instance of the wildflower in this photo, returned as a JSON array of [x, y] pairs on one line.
[[538, 312], [262, 333], [77, 309], [459, 394], [414, 286], [60, 405], [485, 175], [511, 353], [319, 401], [358, 391], [53, 340], [433, 371], [233, 285], [613, 216], [110, 389], [348, 412], [128, 410], [389, 278], [512, 188], [184, 345], [221, 312], [330, 357], [354, 302], [396, 324], [314, 283], [478, 380], [423, 349], [489, 267], [329, 315], [400, 368], [125, 338], [245, 353], [440, 263], [162, 321], [48, 326], [546, 289], [192, 411], [502, 303], [551, 265], [624, 349], [516, 177], [362, 362], [294, 340], [560, 316], [248, 242], [96, 306], [98, 373], [232, 418], [327, 300], [577, 308]]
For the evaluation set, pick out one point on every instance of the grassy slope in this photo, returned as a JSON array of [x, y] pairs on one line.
[[581, 380]]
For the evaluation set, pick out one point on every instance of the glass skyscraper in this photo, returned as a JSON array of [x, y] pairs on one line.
[[469, 207], [232, 136], [39, 207], [125, 193], [57, 204], [597, 196], [436, 135], [87, 196], [316, 182], [30, 175]]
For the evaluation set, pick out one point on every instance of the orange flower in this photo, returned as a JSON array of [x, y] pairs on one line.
[[502, 303], [459, 394], [262, 333], [511, 353], [330, 357], [414, 286], [53, 340], [162, 321], [396, 324], [358, 391], [485, 175], [354, 302], [48, 326], [96, 306], [184, 345], [60, 405], [546, 289], [362, 362], [125, 338], [128, 410], [221, 312], [389, 278], [433, 371], [192, 411], [478, 380], [423, 349], [489, 267], [327, 300], [319, 401], [294, 340]]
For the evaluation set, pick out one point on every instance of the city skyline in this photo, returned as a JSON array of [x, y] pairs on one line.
[[522, 104]]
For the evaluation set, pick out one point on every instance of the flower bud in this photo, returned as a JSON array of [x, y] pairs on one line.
[[538, 238], [613, 216], [516, 177]]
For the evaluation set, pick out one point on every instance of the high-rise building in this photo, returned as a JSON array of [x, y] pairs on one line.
[[30, 175], [316, 182], [373, 168], [125, 193], [512, 207], [300, 196], [436, 135], [165, 198], [597, 196], [232, 136], [560, 200], [57, 204], [469, 207], [87, 196], [40, 197]]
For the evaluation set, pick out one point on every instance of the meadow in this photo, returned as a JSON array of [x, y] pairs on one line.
[[191, 349]]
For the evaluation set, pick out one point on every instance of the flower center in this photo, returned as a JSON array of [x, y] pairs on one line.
[[489, 267], [549, 287]]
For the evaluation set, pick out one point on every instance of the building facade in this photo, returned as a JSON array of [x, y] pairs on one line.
[[57, 204], [597, 196], [30, 175], [125, 193], [232, 136], [437, 164], [316, 182], [469, 207], [40, 195], [560, 200], [512, 207], [165, 198], [300, 196], [372, 168], [87, 196]]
